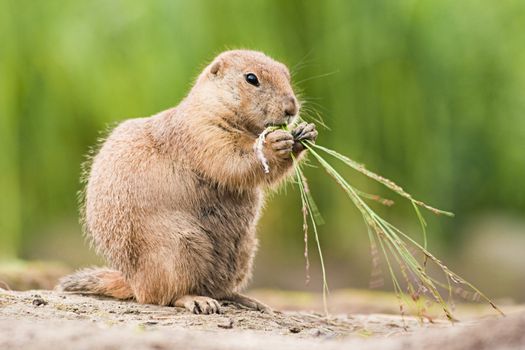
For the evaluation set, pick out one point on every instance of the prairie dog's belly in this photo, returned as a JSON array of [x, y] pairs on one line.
[[228, 220]]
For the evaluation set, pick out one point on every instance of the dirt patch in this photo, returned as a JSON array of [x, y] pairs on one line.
[[43, 319]]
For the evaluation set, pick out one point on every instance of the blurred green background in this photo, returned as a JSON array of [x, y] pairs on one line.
[[430, 94]]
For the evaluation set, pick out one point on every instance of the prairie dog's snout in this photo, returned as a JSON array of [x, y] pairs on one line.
[[287, 112], [287, 109], [290, 106]]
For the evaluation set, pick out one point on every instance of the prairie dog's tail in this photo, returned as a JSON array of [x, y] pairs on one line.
[[98, 280]]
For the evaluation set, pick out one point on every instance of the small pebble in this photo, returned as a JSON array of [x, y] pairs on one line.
[[295, 329], [316, 332], [228, 325], [133, 312], [39, 302]]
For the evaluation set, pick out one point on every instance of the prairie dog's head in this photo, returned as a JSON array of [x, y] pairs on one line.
[[254, 87]]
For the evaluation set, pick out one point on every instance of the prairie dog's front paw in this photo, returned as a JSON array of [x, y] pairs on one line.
[[303, 132], [280, 143]]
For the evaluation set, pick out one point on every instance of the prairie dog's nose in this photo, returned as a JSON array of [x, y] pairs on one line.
[[290, 106]]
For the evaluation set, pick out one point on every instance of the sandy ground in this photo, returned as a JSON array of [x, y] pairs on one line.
[[43, 319]]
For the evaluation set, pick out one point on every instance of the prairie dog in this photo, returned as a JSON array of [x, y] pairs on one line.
[[172, 200]]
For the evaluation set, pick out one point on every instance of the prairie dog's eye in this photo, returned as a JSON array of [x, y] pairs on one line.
[[252, 79]]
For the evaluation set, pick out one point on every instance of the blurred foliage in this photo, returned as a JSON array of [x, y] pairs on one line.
[[427, 93]]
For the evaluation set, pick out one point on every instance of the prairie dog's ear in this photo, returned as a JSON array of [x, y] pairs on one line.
[[216, 66]]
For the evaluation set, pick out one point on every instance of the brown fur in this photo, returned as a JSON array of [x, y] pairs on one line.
[[172, 200], [98, 281]]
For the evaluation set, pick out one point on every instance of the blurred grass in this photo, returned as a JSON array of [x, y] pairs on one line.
[[427, 93]]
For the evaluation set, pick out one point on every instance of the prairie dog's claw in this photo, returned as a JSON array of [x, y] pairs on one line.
[[199, 304], [305, 132], [250, 303]]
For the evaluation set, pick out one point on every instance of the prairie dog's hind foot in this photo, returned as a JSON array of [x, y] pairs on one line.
[[199, 304], [249, 303]]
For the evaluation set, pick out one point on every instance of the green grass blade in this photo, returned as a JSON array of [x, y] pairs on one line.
[[386, 182], [308, 205], [387, 234]]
